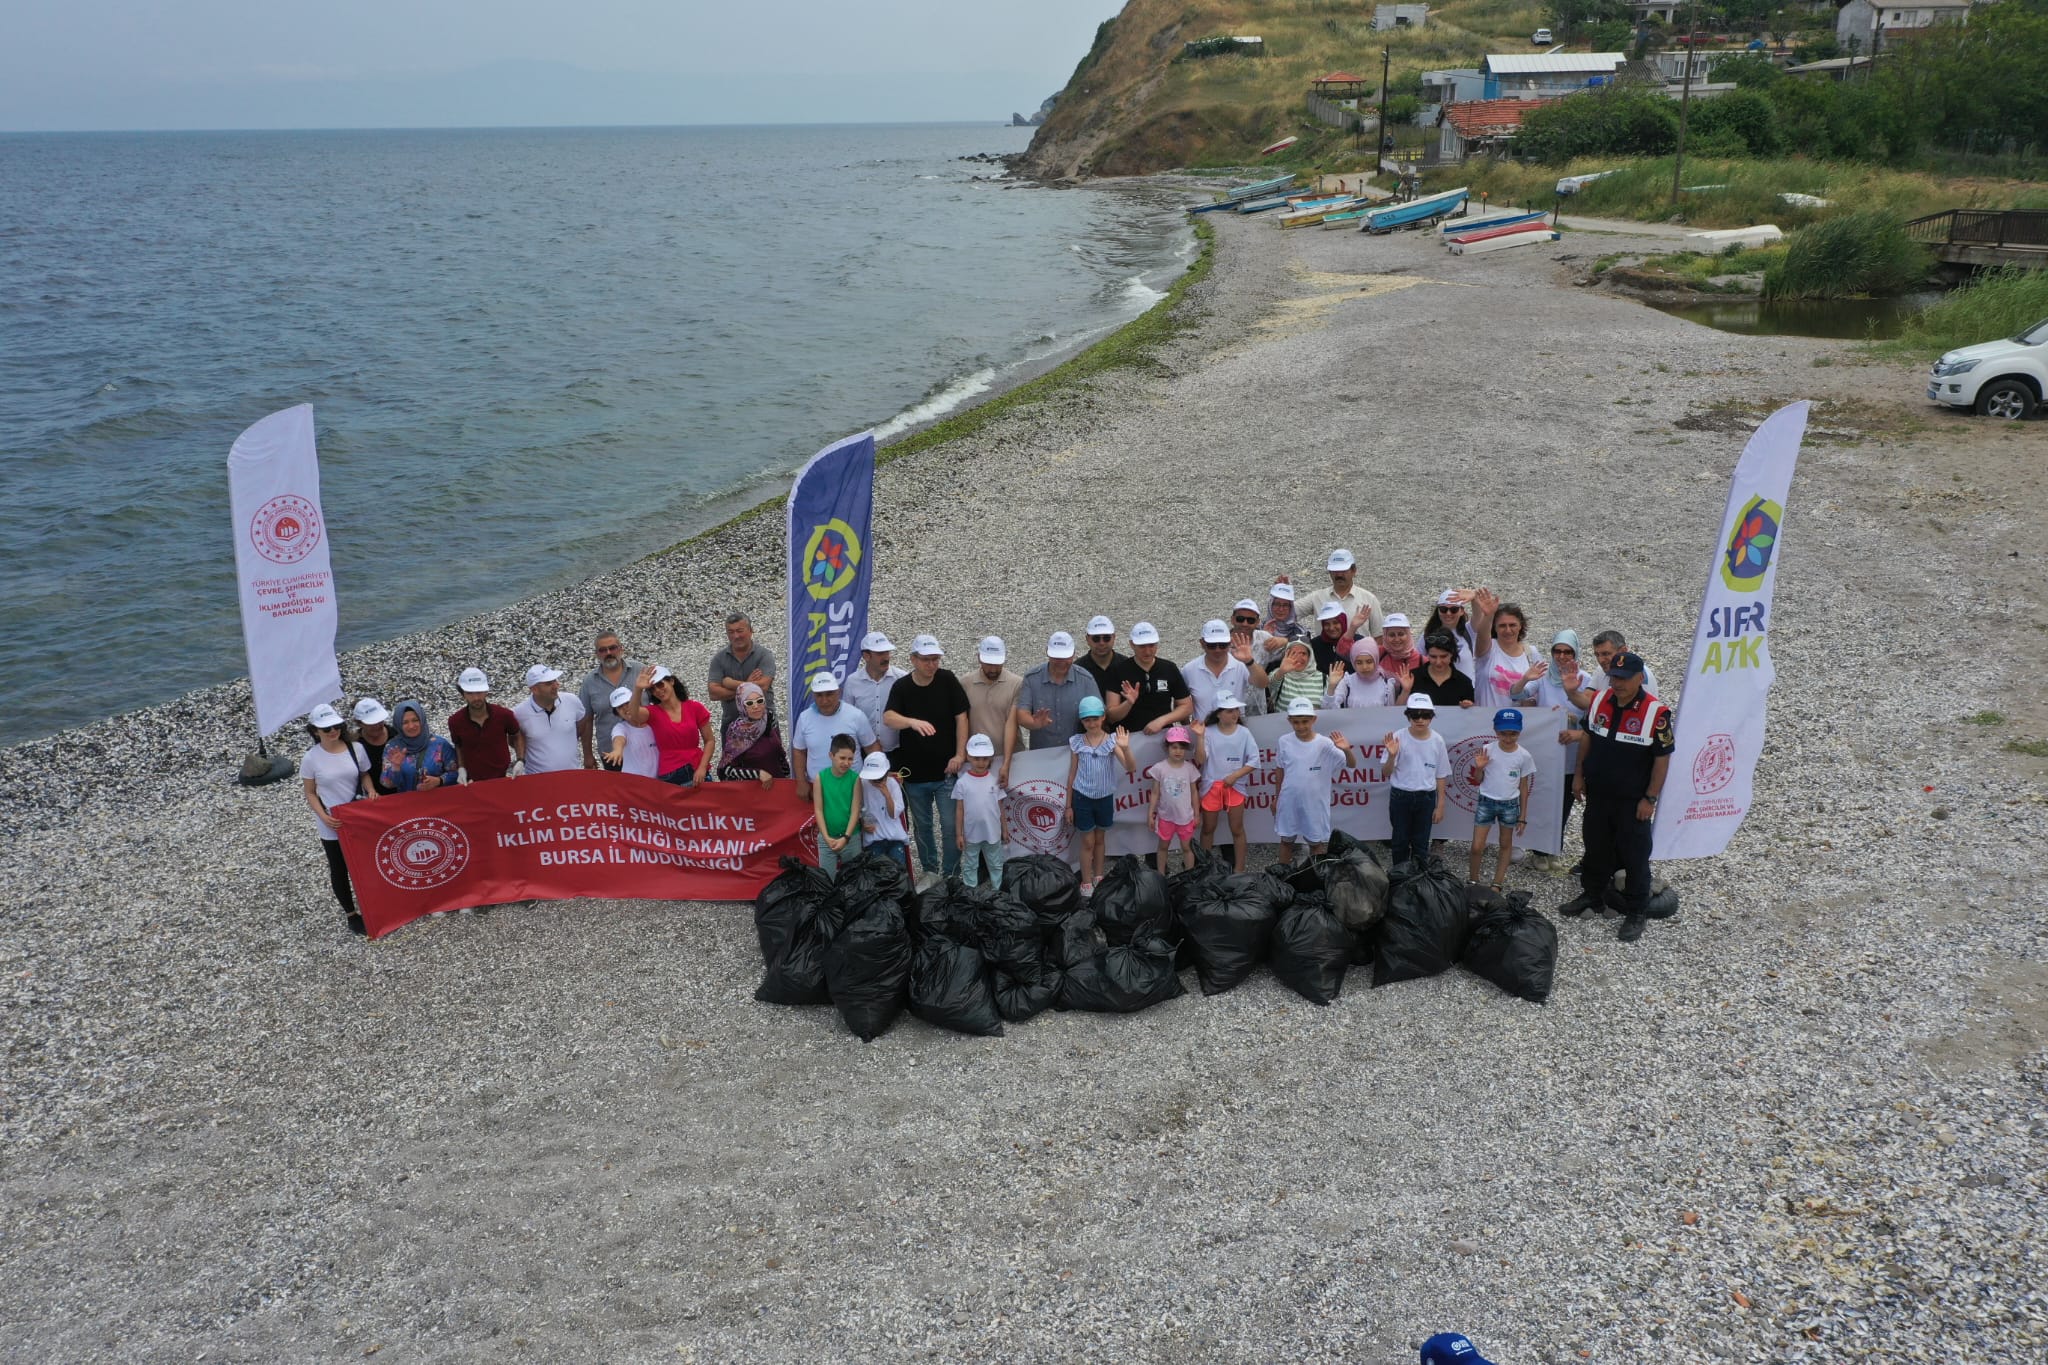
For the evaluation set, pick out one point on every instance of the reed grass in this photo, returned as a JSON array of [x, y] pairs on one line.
[[1846, 255], [1997, 303]]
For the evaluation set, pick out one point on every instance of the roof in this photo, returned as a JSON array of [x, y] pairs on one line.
[[1339, 78], [1489, 118], [1529, 64], [1828, 64]]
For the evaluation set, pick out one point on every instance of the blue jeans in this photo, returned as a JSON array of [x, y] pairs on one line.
[[922, 797], [1412, 813], [892, 848]]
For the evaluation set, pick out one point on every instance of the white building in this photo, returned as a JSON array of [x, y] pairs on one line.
[[1861, 26], [1400, 16], [1528, 76]]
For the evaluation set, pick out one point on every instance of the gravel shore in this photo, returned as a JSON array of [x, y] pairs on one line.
[[1804, 1121]]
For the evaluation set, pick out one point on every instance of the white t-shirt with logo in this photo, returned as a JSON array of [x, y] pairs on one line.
[[873, 807], [642, 757], [1420, 762], [981, 806], [1310, 765], [1502, 780], [551, 744], [336, 779], [1222, 754]]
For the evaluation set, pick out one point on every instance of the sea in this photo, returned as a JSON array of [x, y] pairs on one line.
[[533, 355]]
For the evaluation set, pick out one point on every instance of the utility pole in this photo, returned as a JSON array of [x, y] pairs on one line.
[[1380, 139], [1684, 99]]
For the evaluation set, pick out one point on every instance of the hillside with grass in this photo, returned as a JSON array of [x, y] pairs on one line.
[[1134, 106]]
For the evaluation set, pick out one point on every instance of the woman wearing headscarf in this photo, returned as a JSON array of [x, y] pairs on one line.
[[1363, 684], [416, 759], [1399, 658], [1295, 677], [1553, 688], [1332, 640], [753, 746]]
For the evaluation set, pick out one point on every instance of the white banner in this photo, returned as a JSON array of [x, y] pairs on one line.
[[287, 585], [1720, 725], [1037, 800]]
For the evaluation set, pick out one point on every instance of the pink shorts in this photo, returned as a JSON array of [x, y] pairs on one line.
[[1168, 833]]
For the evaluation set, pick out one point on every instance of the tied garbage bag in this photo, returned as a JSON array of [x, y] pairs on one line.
[[1130, 900], [867, 969], [1356, 887], [1424, 930], [1047, 884], [787, 904], [955, 915], [1228, 922], [1023, 990], [1025, 983], [869, 877], [1203, 868], [1663, 899], [1480, 900], [950, 987], [796, 975], [1311, 950], [1515, 948], [1074, 940], [1124, 979]]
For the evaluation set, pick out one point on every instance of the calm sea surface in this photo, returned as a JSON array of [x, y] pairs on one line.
[[533, 355]]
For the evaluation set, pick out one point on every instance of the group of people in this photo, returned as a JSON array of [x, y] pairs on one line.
[[889, 756]]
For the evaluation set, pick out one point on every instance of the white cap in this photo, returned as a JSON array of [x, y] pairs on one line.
[[876, 642], [1283, 591], [927, 645], [473, 680], [1144, 633], [1418, 701], [1329, 611], [1101, 625], [620, 696], [992, 650], [980, 746], [1246, 604], [1450, 597], [541, 673], [1228, 702], [1060, 645], [323, 716], [874, 765], [824, 680], [370, 711], [1215, 633], [1341, 562], [1396, 622], [659, 674], [1301, 706]]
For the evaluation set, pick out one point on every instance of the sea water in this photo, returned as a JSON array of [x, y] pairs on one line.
[[533, 354]]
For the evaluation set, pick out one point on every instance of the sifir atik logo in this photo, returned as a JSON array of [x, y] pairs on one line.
[[831, 559], [1751, 545]]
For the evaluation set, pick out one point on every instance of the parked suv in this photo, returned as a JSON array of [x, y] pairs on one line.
[[1541, 38], [2006, 379]]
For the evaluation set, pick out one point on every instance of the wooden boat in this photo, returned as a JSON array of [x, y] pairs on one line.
[[1345, 218], [1278, 201], [1502, 240], [1308, 215], [1282, 145], [1488, 227], [1415, 212], [1261, 188], [1501, 218]]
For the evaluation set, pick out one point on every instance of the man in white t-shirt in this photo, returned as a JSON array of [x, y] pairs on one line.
[[866, 688], [1220, 669], [1361, 608], [550, 719]]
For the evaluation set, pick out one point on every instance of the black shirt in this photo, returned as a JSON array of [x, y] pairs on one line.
[[1453, 692], [1159, 691], [1626, 744], [1111, 677], [376, 753], [941, 703]]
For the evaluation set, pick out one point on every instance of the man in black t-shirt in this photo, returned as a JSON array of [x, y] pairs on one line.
[[1115, 677], [1163, 697], [928, 708]]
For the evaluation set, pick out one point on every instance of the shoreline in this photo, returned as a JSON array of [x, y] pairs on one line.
[[1817, 1088]]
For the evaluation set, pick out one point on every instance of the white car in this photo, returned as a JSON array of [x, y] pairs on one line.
[[1541, 38], [2006, 379]]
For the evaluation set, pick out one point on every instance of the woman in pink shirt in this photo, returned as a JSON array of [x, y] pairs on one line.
[[683, 736]]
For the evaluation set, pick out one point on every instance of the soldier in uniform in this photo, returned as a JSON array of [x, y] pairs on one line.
[[1622, 762]]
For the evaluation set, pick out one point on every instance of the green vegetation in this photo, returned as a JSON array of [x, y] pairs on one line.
[[1984, 718], [1698, 270], [1848, 254], [2032, 748], [1997, 303]]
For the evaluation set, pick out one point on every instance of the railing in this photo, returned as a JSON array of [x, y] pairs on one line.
[[2021, 228]]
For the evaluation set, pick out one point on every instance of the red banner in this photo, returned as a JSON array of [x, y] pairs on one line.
[[561, 835]]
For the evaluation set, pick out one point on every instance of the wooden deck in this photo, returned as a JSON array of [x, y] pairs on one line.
[[1985, 237]]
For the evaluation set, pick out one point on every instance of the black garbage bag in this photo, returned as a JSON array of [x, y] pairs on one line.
[[1008, 932], [1229, 921], [868, 877], [1123, 979], [953, 914], [1355, 885], [1425, 926], [1203, 866], [1074, 940], [1025, 989], [867, 969], [1131, 900], [1663, 898], [1481, 899], [950, 986], [796, 974], [1310, 950], [786, 904], [1304, 875], [1047, 884], [1515, 948]]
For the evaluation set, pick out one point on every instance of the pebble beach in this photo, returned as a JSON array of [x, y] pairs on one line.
[[1805, 1120]]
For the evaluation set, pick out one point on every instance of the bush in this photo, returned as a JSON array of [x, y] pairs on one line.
[[1856, 253], [1997, 303], [1743, 120], [1616, 120]]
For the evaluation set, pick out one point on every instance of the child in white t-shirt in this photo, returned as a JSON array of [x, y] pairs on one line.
[[978, 805], [1228, 755], [1171, 808], [1307, 764], [881, 810], [1421, 769], [1505, 771]]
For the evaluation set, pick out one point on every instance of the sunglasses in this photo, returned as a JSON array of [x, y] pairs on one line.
[[1215, 644], [323, 729], [611, 649], [1100, 639], [1246, 620]]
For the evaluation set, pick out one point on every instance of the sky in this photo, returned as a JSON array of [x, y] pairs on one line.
[[147, 64]]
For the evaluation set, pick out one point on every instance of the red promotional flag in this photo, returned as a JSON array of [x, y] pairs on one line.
[[568, 834]]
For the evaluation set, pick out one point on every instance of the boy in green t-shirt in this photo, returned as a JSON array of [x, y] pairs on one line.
[[835, 800]]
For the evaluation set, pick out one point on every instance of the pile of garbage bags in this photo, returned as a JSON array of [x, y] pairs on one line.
[[975, 958]]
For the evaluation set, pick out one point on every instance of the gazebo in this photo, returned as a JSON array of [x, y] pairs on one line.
[[1340, 85]]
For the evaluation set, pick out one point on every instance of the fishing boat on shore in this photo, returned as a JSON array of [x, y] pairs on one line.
[[1277, 201], [1458, 227], [1261, 189], [1500, 239], [1415, 212], [1308, 215]]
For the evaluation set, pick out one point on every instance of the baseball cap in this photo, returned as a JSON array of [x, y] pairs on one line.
[[1626, 664], [323, 716], [1507, 718], [927, 645], [660, 672], [1451, 1348], [1059, 645], [1449, 598], [370, 711], [1341, 561], [825, 681], [1418, 701], [980, 746], [1329, 611], [992, 650], [1178, 734], [473, 680], [620, 696], [1092, 706], [1144, 633], [874, 765], [1215, 633], [1227, 702], [1283, 591], [1301, 706], [877, 643], [1101, 625], [541, 673], [1245, 604], [1397, 621]]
